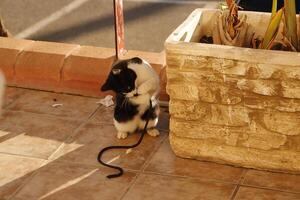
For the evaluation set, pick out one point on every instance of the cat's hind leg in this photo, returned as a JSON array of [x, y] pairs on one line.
[[150, 114], [122, 135], [153, 132]]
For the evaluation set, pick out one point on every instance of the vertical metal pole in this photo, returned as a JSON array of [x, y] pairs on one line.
[[119, 28]]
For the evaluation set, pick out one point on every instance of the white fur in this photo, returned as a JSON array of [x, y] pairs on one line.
[[147, 87], [153, 132], [147, 80], [137, 123], [2, 85]]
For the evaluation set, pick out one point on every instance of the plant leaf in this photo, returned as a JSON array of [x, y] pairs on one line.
[[272, 29], [291, 21], [274, 8]]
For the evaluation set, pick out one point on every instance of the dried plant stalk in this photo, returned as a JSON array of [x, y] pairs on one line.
[[235, 33], [3, 31]]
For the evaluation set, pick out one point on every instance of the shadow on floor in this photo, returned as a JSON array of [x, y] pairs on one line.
[[136, 13]]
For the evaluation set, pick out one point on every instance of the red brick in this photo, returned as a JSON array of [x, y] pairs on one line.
[[9, 50], [65, 67], [86, 69], [39, 65]]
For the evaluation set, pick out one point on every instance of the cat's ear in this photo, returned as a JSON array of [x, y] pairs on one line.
[[106, 86], [136, 60]]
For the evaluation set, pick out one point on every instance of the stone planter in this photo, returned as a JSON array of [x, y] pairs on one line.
[[233, 105]]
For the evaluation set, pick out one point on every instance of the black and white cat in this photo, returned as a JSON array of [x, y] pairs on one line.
[[135, 83]]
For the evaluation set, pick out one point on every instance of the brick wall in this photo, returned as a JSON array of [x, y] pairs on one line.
[[68, 68]]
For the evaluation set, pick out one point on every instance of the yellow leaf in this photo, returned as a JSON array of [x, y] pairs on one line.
[[272, 29]]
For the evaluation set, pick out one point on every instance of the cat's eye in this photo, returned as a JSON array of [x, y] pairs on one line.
[[128, 87]]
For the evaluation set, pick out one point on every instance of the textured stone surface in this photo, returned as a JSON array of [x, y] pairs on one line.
[[245, 113], [277, 160], [284, 123]]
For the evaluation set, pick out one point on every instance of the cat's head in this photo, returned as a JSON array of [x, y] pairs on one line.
[[121, 78]]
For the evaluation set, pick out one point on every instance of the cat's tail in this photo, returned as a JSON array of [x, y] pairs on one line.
[[122, 147], [2, 87]]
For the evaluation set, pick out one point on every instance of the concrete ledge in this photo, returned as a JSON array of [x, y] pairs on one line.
[[65, 68]]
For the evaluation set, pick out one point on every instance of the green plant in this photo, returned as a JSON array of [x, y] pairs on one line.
[[289, 38], [273, 27]]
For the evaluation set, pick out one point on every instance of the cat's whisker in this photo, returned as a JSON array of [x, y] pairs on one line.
[[123, 103], [126, 103]]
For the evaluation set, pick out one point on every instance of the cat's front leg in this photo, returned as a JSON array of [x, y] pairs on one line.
[[122, 135]]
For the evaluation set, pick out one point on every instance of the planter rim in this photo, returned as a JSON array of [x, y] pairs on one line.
[[262, 56]]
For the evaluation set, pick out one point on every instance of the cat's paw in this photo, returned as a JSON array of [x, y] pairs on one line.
[[122, 135], [153, 132]]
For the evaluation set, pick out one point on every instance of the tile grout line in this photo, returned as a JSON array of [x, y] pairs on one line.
[[44, 114], [235, 191], [241, 180], [27, 181], [74, 132], [147, 162], [22, 156], [142, 169], [190, 177], [48, 91], [46, 161], [271, 189], [62, 162]]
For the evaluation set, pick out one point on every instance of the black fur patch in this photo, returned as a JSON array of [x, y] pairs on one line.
[[150, 113], [124, 111], [122, 82]]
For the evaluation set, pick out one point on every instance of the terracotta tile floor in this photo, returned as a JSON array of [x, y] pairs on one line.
[[50, 153]]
